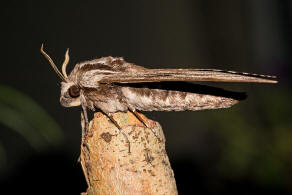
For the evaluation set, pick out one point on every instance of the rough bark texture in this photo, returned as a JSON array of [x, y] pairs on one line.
[[110, 169]]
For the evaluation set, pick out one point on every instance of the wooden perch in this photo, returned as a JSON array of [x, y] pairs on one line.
[[110, 169]]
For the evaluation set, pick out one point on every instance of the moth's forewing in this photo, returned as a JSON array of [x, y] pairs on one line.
[[162, 75]]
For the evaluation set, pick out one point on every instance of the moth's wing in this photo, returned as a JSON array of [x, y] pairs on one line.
[[163, 75], [90, 73]]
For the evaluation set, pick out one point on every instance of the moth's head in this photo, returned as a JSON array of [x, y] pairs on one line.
[[70, 92]]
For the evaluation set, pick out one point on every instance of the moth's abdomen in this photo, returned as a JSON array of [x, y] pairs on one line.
[[146, 99]]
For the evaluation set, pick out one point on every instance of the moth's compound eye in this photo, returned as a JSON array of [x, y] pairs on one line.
[[74, 91]]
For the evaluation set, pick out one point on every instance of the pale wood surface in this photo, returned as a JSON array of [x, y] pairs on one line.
[[110, 169]]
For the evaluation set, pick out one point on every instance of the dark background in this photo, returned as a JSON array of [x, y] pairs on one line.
[[246, 149]]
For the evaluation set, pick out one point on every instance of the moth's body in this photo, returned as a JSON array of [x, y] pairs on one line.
[[111, 85], [111, 99]]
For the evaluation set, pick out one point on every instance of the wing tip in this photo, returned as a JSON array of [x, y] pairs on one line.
[[268, 81]]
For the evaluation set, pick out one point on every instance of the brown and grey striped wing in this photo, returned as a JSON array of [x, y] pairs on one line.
[[163, 75]]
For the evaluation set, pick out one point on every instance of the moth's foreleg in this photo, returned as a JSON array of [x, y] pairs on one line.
[[84, 122], [83, 125], [144, 123], [109, 115]]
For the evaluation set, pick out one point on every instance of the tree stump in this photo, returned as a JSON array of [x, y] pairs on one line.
[[110, 169]]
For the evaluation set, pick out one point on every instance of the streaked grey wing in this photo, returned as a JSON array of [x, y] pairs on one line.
[[163, 75]]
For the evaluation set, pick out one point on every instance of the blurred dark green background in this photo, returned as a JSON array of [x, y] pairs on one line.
[[246, 149]]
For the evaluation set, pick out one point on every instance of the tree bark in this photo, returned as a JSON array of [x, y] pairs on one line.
[[110, 169]]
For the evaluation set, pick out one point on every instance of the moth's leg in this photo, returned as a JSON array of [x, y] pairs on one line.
[[109, 115], [83, 127], [144, 123], [85, 123]]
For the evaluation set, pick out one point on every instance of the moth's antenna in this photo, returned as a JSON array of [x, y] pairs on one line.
[[65, 63], [53, 64]]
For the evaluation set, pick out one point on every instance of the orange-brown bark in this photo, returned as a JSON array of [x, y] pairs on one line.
[[110, 169]]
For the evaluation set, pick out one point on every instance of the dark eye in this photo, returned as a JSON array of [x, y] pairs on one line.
[[74, 91]]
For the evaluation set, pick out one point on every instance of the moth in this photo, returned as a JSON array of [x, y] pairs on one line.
[[110, 84]]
